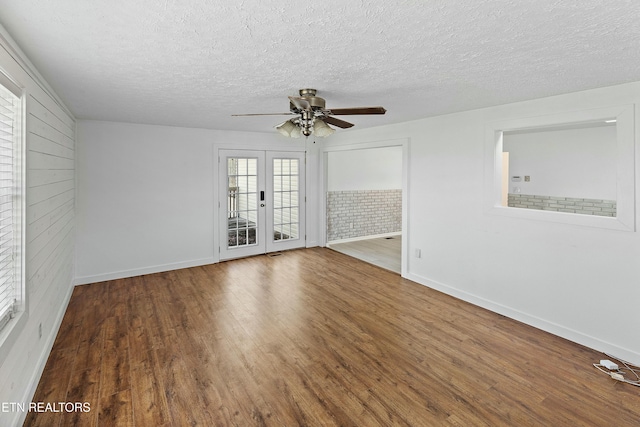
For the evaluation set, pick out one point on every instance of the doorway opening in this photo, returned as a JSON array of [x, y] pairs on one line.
[[364, 206]]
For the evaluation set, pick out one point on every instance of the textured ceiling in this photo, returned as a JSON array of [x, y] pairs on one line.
[[195, 62]]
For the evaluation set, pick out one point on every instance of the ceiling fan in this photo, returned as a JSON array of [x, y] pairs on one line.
[[312, 117]]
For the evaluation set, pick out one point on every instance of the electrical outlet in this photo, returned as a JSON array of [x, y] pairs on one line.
[[40, 331]]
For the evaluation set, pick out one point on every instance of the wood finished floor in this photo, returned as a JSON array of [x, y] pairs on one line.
[[312, 338], [384, 252]]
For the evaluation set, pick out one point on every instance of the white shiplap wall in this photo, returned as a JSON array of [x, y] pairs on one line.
[[50, 206]]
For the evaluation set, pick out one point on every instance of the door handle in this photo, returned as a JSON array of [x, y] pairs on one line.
[[262, 196]]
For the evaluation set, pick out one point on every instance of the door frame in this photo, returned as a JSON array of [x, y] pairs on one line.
[[402, 142], [263, 143]]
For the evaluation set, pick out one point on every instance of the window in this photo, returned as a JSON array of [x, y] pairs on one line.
[[11, 289]]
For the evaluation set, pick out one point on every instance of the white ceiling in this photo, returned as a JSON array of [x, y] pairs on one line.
[[195, 62]]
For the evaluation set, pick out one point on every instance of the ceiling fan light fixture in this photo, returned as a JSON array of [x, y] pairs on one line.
[[321, 129], [288, 128], [296, 132]]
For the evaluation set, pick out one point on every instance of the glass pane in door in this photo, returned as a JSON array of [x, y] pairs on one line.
[[286, 206], [242, 201]]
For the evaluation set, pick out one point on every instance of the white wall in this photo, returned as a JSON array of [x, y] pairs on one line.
[[365, 169], [564, 163], [49, 231], [145, 199], [550, 275], [147, 195]]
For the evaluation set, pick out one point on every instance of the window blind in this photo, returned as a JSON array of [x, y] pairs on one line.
[[8, 111]]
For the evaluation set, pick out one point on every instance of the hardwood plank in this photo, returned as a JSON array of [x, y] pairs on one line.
[[83, 387], [116, 410], [52, 386], [115, 370], [313, 337], [148, 400]]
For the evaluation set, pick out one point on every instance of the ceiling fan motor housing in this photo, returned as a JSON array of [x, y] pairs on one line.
[[316, 102]]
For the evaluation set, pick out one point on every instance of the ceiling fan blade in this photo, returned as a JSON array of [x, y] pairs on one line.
[[300, 103], [264, 114], [337, 122], [357, 110]]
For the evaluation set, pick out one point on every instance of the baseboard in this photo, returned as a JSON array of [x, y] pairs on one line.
[[355, 239], [537, 322], [83, 280], [42, 361]]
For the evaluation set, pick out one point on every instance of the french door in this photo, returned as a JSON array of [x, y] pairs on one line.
[[262, 202]]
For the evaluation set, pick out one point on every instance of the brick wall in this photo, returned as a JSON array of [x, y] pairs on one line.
[[564, 204], [362, 213]]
